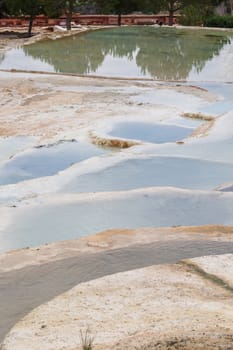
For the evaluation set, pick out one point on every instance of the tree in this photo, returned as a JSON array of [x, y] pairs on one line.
[[2, 8], [121, 7], [69, 9], [172, 6], [118, 7], [229, 4], [53, 7], [196, 14], [25, 7]]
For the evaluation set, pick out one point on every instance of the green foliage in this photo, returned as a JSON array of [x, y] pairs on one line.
[[194, 11], [124, 6], [53, 8], [195, 15], [24, 7], [115, 6], [220, 21], [3, 9], [192, 16]]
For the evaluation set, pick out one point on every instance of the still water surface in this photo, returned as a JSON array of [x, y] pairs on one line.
[[161, 53], [58, 221], [150, 132], [154, 171], [45, 161]]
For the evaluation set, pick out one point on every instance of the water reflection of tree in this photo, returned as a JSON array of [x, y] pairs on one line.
[[177, 52], [66, 55], [2, 56], [163, 53], [2, 45]]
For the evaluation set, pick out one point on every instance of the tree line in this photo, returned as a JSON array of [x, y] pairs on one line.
[[55, 8]]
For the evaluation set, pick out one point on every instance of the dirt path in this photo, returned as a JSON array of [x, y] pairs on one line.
[[25, 289]]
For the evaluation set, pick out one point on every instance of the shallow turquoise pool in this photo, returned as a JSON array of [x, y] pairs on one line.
[[150, 132], [45, 161], [161, 53]]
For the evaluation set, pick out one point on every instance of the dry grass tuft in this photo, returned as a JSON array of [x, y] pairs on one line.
[[87, 339]]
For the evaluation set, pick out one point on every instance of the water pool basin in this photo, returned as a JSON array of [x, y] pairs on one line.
[[150, 132], [45, 161]]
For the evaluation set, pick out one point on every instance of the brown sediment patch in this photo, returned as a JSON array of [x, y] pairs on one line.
[[203, 129], [115, 143], [206, 229], [110, 239], [105, 238], [114, 237], [201, 341], [198, 116]]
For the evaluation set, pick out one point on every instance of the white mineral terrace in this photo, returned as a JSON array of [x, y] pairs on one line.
[[103, 228]]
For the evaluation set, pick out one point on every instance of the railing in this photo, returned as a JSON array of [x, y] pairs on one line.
[[88, 20]]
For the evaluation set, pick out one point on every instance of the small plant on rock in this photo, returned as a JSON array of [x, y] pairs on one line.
[[87, 339]]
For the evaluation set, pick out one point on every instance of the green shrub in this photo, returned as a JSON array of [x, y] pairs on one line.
[[220, 21], [192, 16]]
